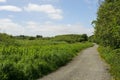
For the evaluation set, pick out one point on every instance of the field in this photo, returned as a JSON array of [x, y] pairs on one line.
[[32, 59], [112, 57]]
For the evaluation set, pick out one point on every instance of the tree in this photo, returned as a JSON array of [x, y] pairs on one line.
[[85, 37], [39, 36], [71, 38], [6, 39], [31, 38], [107, 24]]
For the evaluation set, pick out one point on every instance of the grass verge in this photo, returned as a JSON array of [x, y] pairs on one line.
[[112, 57]]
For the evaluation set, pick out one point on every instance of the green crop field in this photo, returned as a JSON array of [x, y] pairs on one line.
[[32, 59]]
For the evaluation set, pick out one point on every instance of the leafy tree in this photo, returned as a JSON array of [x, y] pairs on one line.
[[31, 38], [71, 38], [39, 36], [107, 25], [91, 38], [85, 37], [6, 39]]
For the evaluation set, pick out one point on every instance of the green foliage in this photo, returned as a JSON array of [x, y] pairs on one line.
[[8, 71], [31, 38], [6, 39], [112, 57], [71, 38], [39, 36], [32, 59], [107, 34], [107, 25], [84, 37], [91, 38], [23, 37]]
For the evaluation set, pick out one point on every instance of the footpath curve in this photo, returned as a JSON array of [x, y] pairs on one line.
[[86, 66]]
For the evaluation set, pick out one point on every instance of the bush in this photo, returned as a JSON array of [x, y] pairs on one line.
[[112, 57], [71, 38], [32, 62]]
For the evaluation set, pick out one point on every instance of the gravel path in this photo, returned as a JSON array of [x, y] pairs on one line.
[[86, 66]]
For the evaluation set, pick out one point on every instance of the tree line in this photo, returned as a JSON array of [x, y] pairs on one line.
[[69, 38], [107, 24]]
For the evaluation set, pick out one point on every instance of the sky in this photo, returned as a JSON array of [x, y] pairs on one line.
[[47, 17]]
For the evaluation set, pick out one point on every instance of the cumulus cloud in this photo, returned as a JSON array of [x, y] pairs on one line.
[[45, 29], [10, 8], [51, 29], [2, 0], [8, 26], [49, 9]]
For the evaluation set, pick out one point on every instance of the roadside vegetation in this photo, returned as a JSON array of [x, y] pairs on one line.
[[107, 34], [112, 57], [29, 59]]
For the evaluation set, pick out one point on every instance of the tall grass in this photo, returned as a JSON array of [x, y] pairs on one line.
[[34, 61], [112, 57]]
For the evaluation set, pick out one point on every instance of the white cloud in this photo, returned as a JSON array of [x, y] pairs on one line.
[[2, 0], [10, 8], [46, 29], [50, 29], [49, 9], [8, 26]]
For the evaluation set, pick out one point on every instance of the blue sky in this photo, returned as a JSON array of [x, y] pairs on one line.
[[47, 17]]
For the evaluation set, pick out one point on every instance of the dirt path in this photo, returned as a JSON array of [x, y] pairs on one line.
[[86, 66]]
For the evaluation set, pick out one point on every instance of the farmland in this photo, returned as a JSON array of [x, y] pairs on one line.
[[30, 59]]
